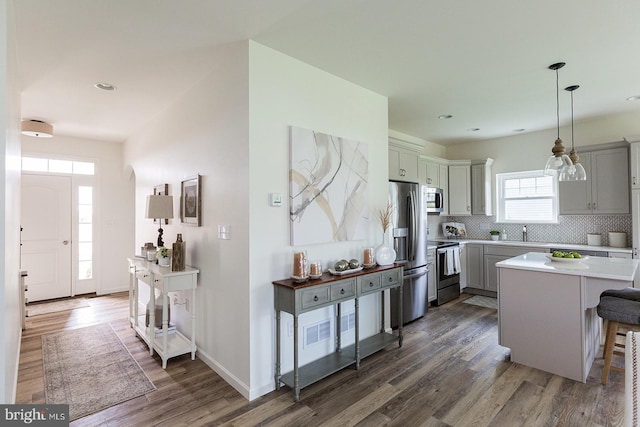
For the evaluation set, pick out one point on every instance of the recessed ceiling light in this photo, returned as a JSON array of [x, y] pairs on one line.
[[519, 130], [444, 116], [105, 86], [473, 129], [633, 98]]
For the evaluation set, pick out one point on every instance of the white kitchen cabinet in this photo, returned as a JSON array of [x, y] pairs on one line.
[[403, 164], [475, 265], [429, 173], [460, 189], [432, 291], [606, 190], [481, 202], [634, 162]]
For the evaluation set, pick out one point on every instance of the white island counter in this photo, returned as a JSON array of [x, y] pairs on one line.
[[546, 309]]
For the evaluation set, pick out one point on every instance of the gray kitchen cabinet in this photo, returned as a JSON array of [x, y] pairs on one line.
[[606, 190], [474, 254], [497, 253], [431, 276], [429, 173], [403, 164], [460, 189], [481, 203]]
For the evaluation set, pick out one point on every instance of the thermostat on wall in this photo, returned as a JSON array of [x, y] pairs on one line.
[[275, 199]]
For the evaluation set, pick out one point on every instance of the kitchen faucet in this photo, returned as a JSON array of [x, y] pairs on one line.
[[524, 233]]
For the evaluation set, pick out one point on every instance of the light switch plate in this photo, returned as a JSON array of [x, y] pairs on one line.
[[224, 232], [275, 199]]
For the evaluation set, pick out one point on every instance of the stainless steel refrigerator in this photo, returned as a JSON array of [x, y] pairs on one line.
[[409, 223]]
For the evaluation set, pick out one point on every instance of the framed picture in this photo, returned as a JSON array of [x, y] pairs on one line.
[[190, 201], [161, 190]]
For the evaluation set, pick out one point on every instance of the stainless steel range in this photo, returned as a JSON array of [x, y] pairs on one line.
[[448, 269]]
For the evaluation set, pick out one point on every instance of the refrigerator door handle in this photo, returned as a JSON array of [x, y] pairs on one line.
[[413, 225]]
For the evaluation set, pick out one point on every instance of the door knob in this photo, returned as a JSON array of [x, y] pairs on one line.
[[65, 242]]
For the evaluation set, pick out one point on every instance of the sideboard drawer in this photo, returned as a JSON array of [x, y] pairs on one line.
[[315, 297], [144, 276], [390, 277], [370, 283], [343, 290]]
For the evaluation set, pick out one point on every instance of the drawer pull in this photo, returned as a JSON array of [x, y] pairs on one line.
[[390, 279], [341, 291], [371, 284], [315, 298]]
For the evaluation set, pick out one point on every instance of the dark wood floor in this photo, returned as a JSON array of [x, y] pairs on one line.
[[449, 372]]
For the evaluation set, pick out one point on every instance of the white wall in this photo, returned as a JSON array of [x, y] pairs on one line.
[[233, 129], [113, 204], [285, 92], [206, 131], [10, 333]]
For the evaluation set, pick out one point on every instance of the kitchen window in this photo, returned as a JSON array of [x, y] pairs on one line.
[[527, 197]]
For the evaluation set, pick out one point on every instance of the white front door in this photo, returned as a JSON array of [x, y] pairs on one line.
[[46, 235]]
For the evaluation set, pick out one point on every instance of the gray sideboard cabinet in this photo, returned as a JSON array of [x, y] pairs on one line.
[[329, 290]]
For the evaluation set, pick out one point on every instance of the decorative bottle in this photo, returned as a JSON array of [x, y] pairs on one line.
[[178, 254]]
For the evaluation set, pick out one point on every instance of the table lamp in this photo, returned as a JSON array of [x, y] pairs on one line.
[[159, 207]]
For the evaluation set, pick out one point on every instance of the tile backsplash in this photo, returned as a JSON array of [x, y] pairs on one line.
[[570, 228]]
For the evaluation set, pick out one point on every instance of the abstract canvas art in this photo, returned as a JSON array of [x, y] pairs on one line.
[[328, 188]]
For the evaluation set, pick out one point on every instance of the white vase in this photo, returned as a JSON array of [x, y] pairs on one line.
[[164, 261], [385, 254]]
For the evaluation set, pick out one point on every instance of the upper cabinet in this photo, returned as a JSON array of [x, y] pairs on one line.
[[634, 161], [470, 187], [606, 190], [481, 187], [403, 164], [459, 189]]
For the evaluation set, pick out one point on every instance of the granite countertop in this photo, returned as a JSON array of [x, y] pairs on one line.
[[546, 245], [604, 268]]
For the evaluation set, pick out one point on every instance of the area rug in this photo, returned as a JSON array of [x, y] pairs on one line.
[[90, 369], [55, 306], [482, 301]]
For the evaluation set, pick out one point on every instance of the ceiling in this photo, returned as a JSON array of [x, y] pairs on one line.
[[484, 62]]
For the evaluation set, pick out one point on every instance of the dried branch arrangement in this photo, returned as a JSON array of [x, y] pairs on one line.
[[385, 216]]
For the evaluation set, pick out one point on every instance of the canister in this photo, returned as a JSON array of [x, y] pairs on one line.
[[618, 239]]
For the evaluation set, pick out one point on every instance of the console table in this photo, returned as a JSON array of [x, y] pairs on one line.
[[297, 298], [165, 280]]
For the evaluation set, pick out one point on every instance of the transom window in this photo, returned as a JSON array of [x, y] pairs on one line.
[[37, 164], [529, 197]]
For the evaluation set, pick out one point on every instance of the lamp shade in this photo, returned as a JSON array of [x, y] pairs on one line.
[[36, 128], [159, 207]]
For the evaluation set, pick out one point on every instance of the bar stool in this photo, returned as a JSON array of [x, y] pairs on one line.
[[620, 307]]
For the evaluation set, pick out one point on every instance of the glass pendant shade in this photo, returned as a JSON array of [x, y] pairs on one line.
[[558, 160], [574, 172]]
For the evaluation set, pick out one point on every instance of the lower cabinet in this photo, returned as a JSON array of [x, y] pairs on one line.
[[482, 274], [475, 267], [432, 279]]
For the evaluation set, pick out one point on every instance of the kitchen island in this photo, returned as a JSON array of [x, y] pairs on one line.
[[547, 309]]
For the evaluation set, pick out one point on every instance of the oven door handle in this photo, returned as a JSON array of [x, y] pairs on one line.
[[413, 276]]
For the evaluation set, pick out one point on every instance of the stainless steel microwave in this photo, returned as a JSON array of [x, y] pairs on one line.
[[433, 199]]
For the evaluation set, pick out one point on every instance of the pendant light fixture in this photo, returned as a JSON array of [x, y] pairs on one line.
[[576, 171], [558, 159]]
